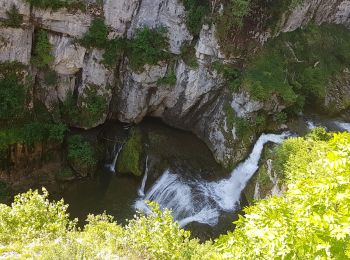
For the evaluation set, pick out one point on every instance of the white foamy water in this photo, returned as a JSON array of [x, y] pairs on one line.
[[196, 200], [141, 191], [310, 124], [343, 125], [117, 150]]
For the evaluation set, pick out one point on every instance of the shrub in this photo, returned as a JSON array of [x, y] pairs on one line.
[[96, 36], [231, 74], [92, 109], [196, 12], [149, 46], [12, 99], [14, 18], [81, 152], [188, 55], [57, 4], [42, 48], [32, 216], [50, 78], [169, 79], [114, 51]]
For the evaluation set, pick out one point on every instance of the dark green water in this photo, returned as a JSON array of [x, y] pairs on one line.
[[165, 148]]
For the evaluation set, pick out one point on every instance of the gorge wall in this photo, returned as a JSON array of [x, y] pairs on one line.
[[200, 100]]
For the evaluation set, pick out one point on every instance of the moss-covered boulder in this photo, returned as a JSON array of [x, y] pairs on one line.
[[129, 160], [65, 175], [81, 156]]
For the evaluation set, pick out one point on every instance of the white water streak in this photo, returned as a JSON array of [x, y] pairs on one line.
[[141, 191], [112, 166]]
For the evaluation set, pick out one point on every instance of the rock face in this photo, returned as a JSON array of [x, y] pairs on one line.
[[319, 11], [16, 44], [198, 100], [338, 94]]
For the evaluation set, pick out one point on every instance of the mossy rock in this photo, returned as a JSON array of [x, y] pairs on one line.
[[82, 156], [65, 175], [129, 160]]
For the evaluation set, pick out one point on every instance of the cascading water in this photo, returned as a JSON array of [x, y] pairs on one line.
[[141, 191], [196, 200], [117, 149], [343, 125]]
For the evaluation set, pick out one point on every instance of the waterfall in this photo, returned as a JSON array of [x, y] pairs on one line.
[[343, 125], [310, 124], [141, 191], [116, 151], [196, 200]]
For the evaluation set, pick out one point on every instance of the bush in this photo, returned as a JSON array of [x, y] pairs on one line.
[[149, 46], [114, 51], [188, 55], [91, 111], [169, 79], [42, 55], [12, 99], [31, 216], [81, 152], [50, 78], [196, 12], [14, 18], [57, 4], [231, 74], [96, 36]]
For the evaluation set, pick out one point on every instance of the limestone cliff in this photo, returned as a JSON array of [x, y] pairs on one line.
[[198, 100]]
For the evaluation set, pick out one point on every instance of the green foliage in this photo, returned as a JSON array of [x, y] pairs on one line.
[[42, 55], [81, 152], [114, 51], [169, 79], [50, 78], [31, 216], [149, 46], [196, 12], [32, 133], [14, 18], [57, 4], [129, 160], [311, 221], [96, 36], [12, 99], [239, 10], [92, 107], [232, 75], [188, 55], [299, 65], [280, 118], [36, 228]]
